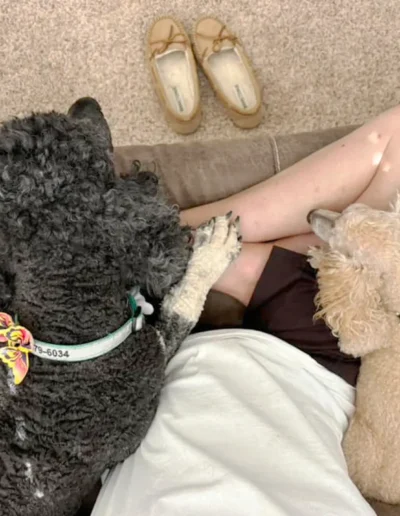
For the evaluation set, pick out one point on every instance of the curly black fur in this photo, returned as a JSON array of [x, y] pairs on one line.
[[74, 240]]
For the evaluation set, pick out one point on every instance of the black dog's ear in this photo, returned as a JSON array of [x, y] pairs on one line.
[[89, 109]]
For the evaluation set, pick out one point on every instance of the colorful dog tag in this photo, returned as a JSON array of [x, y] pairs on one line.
[[16, 343]]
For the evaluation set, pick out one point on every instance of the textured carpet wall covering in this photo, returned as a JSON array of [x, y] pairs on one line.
[[320, 62]]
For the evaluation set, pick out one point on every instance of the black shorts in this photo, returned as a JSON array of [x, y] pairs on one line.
[[283, 305]]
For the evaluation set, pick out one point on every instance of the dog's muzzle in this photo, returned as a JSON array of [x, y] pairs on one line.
[[322, 222]]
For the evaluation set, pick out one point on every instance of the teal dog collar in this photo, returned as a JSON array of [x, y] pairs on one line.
[[99, 347]]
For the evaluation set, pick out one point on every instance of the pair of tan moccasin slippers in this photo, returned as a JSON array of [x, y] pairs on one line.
[[220, 54]]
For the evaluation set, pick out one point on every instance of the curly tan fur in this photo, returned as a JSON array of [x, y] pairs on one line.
[[357, 323], [359, 298]]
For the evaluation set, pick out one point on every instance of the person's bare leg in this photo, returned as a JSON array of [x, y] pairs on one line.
[[386, 182], [241, 277], [348, 170]]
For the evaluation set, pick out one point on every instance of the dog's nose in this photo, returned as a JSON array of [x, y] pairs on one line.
[[148, 177], [310, 215], [323, 223]]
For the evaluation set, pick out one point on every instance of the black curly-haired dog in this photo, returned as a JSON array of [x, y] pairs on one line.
[[74, 239]]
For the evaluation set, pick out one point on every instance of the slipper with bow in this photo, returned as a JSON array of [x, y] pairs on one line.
[[225, 63], [174, 73]]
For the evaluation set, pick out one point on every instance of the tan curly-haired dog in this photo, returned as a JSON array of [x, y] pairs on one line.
[[359, 298]]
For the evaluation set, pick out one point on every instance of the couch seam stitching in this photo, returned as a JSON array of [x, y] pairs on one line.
[[276, 153]]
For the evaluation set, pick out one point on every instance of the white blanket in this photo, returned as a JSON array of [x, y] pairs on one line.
[[247, 426]]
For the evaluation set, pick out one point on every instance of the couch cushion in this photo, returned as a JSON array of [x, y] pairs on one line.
[[201, 172]]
